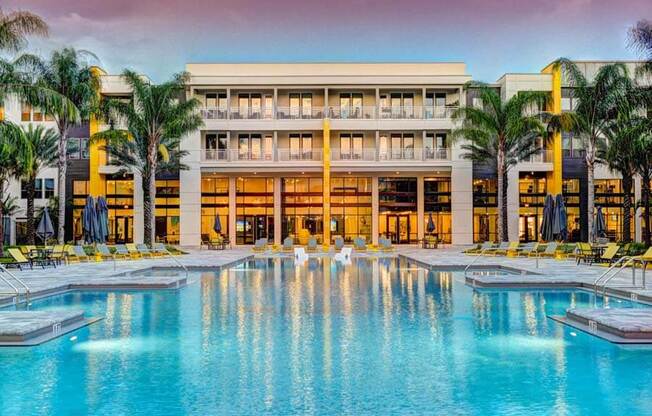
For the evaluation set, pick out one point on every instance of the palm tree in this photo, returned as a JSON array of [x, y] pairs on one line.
[[617, 152], [16, 26], [43, 143], [501, 133], [596, 107], [69, 74], [640, 39], [641, 145], [15, 153], [156, 119]]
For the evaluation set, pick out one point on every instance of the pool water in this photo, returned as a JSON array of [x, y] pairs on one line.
[[373, 337]]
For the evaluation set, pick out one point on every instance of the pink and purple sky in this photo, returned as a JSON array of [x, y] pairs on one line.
[[157, 37]]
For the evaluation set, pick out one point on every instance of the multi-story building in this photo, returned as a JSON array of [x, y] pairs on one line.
[[326, 149]]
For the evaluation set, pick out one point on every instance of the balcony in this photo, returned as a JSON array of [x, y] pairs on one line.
[[299, 113], [333, 112], [292, 155], [360, 155], [232, 155], [541, 156]]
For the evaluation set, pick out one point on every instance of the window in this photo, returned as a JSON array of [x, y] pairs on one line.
[[216, 145], [255, 147], [397, 146], [48, 188], [216, 100], [402, 105], [300, 105], [301, 146], [43, 188], [351, 146], [250, 105], [435, 103], [350, 105], [435, 146], [572, 146], [29, 113], [77, 148]]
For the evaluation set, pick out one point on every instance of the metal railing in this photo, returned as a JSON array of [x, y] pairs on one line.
[[360, 155], [407, 153], [288, 155], [441, 153], [541, 156], [352, 112], [614, 270], [229, 155], [299, 113], [14, 286], [177, 261]]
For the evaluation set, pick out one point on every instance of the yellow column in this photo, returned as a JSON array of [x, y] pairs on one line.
[[555, 178], [2, 113], [327, 181], [97, 156]]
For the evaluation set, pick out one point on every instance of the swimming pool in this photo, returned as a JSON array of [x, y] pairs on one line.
[[374, 337]]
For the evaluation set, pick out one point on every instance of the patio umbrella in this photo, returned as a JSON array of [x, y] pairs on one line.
[[102, 213], [431, 224], [88, 220], [599, 225], [45, 229], [217, 225], [560, 220], [546, 223]]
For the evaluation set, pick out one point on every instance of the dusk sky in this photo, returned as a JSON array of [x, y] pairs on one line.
[[492, 37]]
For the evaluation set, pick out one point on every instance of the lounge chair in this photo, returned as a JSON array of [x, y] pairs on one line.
[[133, 251], [145, 251], [103, 251], [550, 251], [121, 251], [527, 249], [494, 251], [77, 253], [487, 245], [359, 244], [59, 253], [260, 245], [474, 249], [385, 244], [18, 259], [339, 243], [609, 255], [160, 250], [512, 248], [29, 251], [644, 259], [288, 245], [584, 252], [312, 245]]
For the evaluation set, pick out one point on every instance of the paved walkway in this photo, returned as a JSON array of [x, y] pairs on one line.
[[116, 275], [549, 273]]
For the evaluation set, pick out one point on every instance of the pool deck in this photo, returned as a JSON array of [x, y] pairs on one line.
[[27, 328], [109, 275]]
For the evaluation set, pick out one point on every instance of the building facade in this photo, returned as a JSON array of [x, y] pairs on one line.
[[335, 149]]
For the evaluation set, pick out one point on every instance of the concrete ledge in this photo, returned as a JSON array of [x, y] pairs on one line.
[[27, 328]]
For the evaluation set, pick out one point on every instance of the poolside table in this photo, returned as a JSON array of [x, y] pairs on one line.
[[42, 256]]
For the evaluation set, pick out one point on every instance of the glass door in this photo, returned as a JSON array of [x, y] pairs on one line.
[[528, 228], [256, 147]]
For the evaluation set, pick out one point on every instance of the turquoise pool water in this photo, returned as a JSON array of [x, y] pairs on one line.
[[374, 337]]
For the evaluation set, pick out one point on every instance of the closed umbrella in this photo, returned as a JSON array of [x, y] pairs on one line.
[[45, 229], [102, 212], [546, 222], [560, 222], [217, 225], [89, 220], [599, 225], [431, 224]]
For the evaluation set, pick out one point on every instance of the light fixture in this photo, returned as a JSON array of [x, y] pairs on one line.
[[398, 173], [349, 172], [303, 173]]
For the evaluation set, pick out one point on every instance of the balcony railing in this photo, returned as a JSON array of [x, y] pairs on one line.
[[299, 113], [229, 155], [542, 156], [334, 112], [359, 155], [441, 153], [217, 113], [289, 155]]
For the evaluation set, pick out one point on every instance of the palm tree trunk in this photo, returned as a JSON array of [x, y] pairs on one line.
[[62, 165], [590, 178], [627, 208], [2, 217], [31, 231], [647, 237], [149, 192], [501, 202], [505, 218], [147, 208]]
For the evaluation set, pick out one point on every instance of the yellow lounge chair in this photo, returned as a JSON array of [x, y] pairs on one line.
[[19, 259], [609, 255], [288, 245], [133, 251], [527, 249], [312, 245], [550, 251], [260, 245], [502, 247]]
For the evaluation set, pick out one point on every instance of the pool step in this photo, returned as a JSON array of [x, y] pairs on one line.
[[617, 325], [27, 328]]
